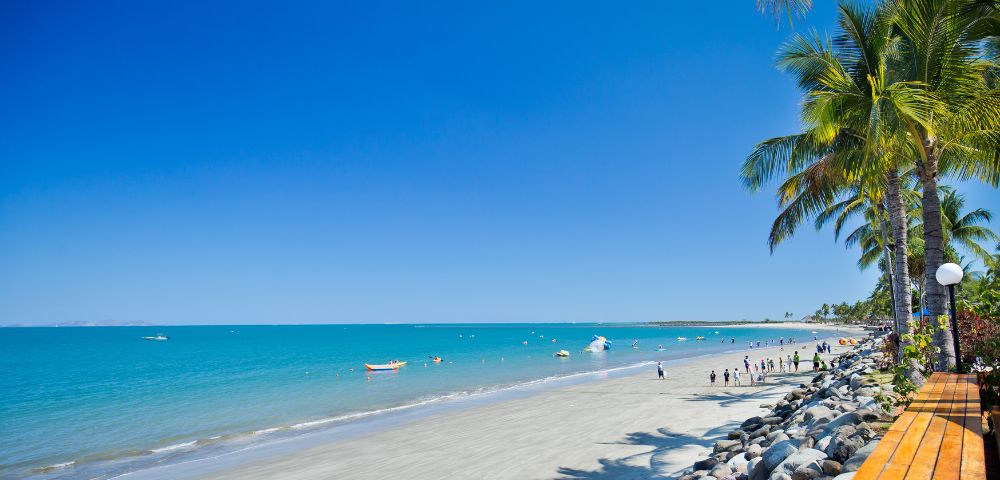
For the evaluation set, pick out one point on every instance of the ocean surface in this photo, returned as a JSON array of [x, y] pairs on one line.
[[98, 402]]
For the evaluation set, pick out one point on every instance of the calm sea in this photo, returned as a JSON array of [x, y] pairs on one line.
[[99, 402]]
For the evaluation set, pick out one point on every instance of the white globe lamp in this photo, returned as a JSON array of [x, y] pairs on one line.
[[949, 274]]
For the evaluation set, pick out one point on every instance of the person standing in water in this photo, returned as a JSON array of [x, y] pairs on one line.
[[659, 369]]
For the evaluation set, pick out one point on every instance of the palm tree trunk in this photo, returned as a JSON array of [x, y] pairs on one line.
[[934, 257], [902, 300], [887, 258]]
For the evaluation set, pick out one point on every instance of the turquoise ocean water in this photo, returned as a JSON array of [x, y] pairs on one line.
[[98, 402]]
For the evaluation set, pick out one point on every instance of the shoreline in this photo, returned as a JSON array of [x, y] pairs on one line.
[[546, 409]]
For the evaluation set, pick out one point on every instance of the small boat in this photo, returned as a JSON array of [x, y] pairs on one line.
[[435, 359], [158, 337], [384, 366], [562, 353], [699, 338], [659, 348], [681, 339]]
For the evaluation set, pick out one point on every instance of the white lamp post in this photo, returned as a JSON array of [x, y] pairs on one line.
[[949, 274]]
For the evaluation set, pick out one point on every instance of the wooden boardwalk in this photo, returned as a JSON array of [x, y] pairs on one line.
[[939, 436]]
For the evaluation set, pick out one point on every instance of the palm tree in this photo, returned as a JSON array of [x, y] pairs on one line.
[[782, 8], [955, 127], [853, 137]]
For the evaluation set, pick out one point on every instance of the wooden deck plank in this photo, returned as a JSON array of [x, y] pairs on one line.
[[951, 445], [873, 466], [922, 466], [973, 451]]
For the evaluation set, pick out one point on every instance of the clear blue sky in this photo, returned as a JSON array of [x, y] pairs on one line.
[[287, 162]]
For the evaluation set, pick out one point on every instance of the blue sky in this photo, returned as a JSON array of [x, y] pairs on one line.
[[244, 162]]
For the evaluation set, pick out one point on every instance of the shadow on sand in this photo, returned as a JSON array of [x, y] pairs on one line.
[[664, 440]]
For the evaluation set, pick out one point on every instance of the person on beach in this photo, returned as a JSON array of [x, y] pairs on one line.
[[736, 377], [746, 363], [795, 361], [781, 364], [659, 369], [711, 378], [751, 344], [725, 377], [763, 366], [816, 360], [782, 341]]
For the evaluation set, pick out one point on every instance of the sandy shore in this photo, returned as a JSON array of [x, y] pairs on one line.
[[622, 428]]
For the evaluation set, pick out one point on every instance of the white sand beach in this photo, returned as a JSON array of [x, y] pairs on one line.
[[632, 427]]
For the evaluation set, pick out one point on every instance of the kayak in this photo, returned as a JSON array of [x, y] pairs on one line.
[[386, 366]]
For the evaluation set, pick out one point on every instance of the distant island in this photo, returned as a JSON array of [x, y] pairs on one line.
[[97, 323]]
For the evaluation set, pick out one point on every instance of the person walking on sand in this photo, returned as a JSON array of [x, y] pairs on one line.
[[781, 364], [746, 363], [711, 378], [795, 361], [659, 369], [736, 377], [816, 361], [725, 377]]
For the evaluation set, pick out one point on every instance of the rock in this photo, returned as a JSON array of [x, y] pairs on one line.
[[753, 451], [720, 470], [841, 449], [845, 476], [750, 421], [728, 477], [868, 414], [808, 442], [706, 464], [818, 412], [772, 420], [846, 407], [759, 471], [773, 456], [854, 463], [780, 476], [824, 442], [809, 471], [726, 445], [780, 437], [734, 435], [758, 441], [738, 464], [760, 432], [831, 467], [852, 419], [796, 460]]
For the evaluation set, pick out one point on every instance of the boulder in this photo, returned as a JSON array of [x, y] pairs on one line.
[[852, 419], [778, 452], [831, 467], [720, 470], [758, 471], [812, 413], [772, 420], [857, 381], [706, 464], [809, 471], [754, 451], [842, 449], [780, 437], [734, 435], [738, 464], [796, 460], [726, 446], [854, 463], [760, 432], [750, 421], [845, 476]]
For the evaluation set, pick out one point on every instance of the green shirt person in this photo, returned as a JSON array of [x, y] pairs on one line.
[[816, 360]]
